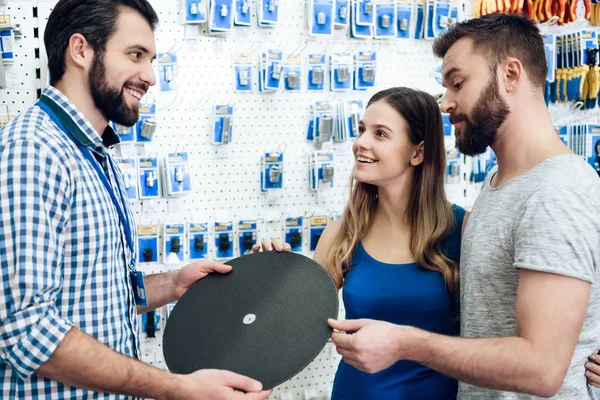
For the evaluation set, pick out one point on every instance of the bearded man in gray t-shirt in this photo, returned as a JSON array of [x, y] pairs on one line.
[[530, 258]]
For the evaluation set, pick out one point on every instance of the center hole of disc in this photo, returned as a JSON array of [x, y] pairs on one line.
[[250, 318]]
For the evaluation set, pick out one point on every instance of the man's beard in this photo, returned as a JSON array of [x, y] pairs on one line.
[[111, 101], [481, 128]]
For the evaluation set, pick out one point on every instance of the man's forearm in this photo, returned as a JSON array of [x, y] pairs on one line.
[[508, 364], [160, 290], [83, 362]]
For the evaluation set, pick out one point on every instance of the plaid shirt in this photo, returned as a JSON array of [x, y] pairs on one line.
[[62, 250]]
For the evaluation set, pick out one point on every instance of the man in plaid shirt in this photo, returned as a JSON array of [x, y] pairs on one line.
[[68, 325]]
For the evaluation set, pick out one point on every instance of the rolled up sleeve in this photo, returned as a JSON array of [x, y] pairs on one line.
[[34, 209]]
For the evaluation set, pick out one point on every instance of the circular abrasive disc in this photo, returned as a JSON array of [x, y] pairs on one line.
[[266, 319]]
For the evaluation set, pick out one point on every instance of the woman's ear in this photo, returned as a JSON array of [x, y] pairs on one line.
[[418, 154]]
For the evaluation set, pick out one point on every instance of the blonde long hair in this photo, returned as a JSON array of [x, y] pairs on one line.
[[429, 213]]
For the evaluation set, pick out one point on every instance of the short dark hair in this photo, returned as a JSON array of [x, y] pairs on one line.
[[501, 36], [94, 19]]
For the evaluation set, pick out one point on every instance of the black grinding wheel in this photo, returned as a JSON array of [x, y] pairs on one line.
[[266, 319]]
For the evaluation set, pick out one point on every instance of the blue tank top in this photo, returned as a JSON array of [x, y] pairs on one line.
[[403, 294]]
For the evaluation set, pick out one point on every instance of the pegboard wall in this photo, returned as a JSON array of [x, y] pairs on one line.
[[225, 179], [21, 78]]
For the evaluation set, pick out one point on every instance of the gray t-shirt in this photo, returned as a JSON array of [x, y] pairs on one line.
[[547, 219]]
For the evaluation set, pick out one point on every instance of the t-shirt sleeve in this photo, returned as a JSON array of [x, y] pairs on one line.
[[558, 231]]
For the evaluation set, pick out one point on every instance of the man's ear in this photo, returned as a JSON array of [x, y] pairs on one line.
[[512, 73], [418, 155], [79, 51]]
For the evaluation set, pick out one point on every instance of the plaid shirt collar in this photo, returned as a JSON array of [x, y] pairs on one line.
[[85, 134]]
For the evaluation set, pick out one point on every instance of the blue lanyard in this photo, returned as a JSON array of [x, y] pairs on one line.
[[47, 106]]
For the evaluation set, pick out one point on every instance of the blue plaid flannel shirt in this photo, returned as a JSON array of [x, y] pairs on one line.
[[62, 251]]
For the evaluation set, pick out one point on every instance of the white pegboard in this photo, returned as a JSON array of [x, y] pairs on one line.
[[226, 182], [21, 89]]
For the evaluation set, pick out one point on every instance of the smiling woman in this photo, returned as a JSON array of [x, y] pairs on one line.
[[399, 151], [395, 251]]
